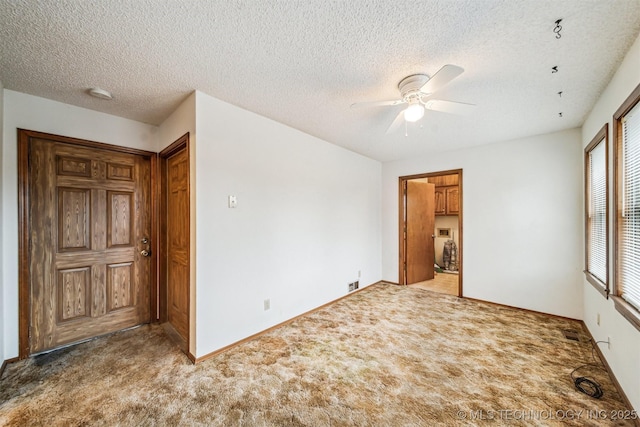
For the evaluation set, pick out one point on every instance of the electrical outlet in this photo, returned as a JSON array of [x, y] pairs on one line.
[[267, 304], [598, 319], [359, 273], [233, 201], [609, 343]]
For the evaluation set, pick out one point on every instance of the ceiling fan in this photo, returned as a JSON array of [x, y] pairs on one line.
[[416, 91]]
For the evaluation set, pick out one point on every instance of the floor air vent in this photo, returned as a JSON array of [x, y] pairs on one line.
[[570, 334]]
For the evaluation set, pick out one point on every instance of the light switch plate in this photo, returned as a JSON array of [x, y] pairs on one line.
[[233, 201]]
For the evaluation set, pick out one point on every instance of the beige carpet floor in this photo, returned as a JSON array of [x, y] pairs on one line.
[[385, 356]]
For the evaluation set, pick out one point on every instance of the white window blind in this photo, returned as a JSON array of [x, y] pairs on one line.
[[597, 215], [629, 237]]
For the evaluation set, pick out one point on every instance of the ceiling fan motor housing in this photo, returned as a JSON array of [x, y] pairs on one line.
[[410, 85]]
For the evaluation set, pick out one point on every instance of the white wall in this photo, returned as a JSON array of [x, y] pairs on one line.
[[2, 296], [522, 236], [181, 121], [43, 115], [308, 218], [624, 355]]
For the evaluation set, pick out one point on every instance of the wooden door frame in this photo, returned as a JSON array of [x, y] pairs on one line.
[[181, 143], [401, 222], [24, 291]]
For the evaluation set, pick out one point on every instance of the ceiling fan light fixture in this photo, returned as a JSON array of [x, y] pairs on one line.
[[414, 112]]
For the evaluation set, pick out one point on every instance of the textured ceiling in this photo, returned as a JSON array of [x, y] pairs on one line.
[[303, 63]]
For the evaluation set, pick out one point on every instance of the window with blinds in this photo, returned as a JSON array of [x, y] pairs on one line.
[[596, 212], [630, 221], [628, 203]]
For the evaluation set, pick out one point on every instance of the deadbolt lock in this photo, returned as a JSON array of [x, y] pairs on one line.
[[145, 252]]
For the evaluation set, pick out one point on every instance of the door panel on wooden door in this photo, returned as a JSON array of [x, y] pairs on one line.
[[178, 242], [420, 223], [88, 210]]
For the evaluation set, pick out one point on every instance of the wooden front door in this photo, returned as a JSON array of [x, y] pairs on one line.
[[419, 226], [177, 193], [89, 224]]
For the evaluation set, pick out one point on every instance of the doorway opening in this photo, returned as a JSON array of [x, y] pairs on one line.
[[430, 231]]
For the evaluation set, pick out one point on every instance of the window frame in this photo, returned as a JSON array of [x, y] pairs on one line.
[[601, 137], [628, 311]]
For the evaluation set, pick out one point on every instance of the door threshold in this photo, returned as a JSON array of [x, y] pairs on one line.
[[75, 343]]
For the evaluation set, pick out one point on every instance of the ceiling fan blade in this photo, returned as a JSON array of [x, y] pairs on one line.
[[377, 103], [441, 78], [450, 107], [396, 123]]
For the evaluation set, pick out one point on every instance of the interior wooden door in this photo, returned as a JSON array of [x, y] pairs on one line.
[[419, 223], [89, 210], [177, 241]]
